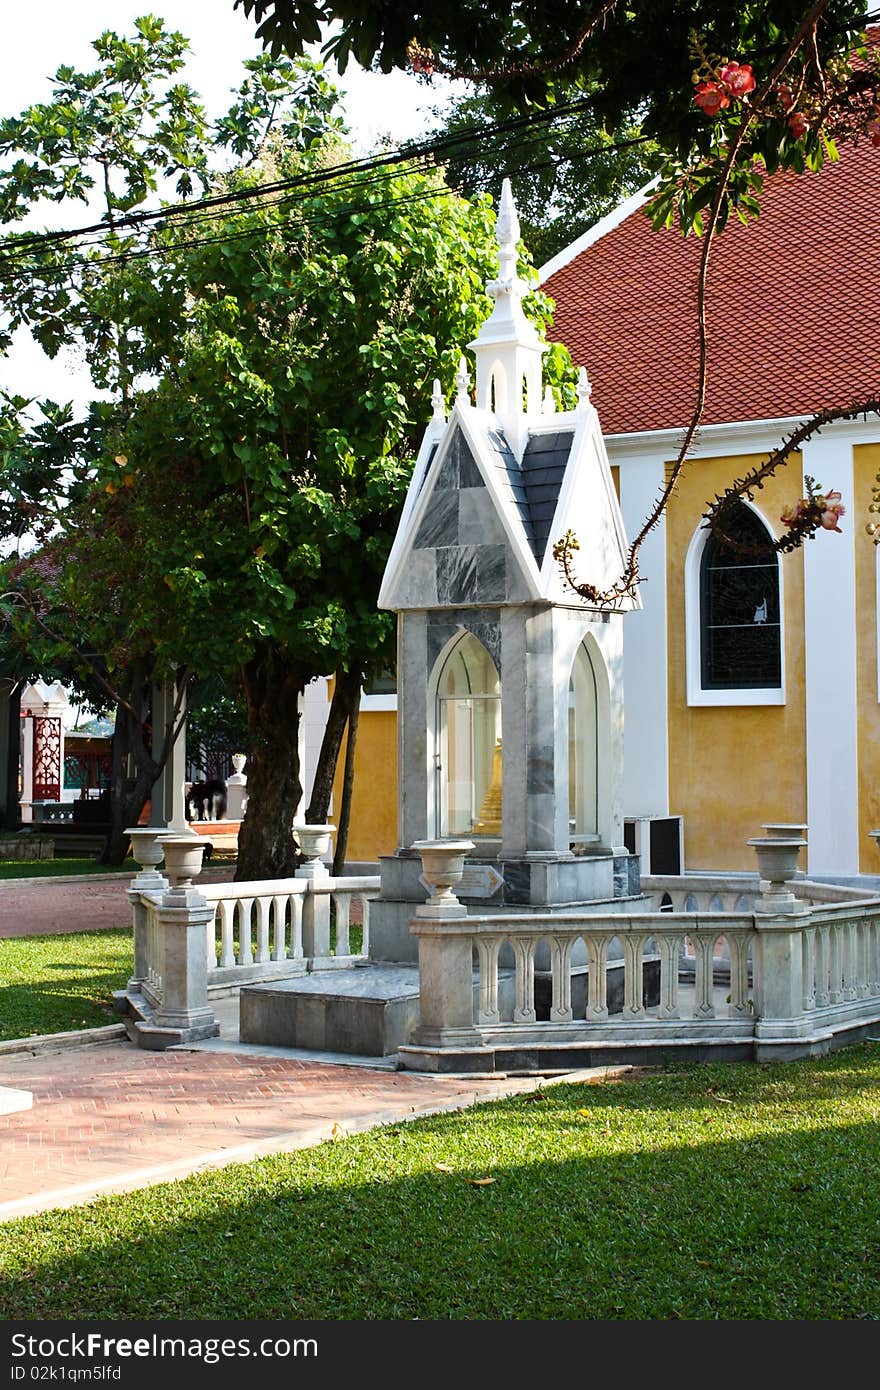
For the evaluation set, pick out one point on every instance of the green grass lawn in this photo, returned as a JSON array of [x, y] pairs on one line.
[[53, 984], [49, 868], [732, 1192]]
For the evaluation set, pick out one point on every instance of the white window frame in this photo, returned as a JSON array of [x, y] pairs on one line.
[[696, 694]]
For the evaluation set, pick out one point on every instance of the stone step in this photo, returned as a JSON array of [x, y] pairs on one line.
[[366, 1012]]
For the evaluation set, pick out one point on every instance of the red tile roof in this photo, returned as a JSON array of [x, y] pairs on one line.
[[793, 306]]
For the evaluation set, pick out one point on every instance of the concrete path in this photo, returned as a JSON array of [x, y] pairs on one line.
[[112, 1118]]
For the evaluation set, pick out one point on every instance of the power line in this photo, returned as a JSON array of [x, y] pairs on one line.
[[354, 186], [426, 149]]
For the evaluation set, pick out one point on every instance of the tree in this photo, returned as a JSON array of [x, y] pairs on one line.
[[114, 133], [296, 340]]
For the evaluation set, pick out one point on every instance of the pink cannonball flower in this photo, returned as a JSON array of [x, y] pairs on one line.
[[711, 98], [738, 78]]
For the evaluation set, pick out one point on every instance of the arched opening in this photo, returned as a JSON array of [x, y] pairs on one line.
[[497, 388], [468, 734], [583, 747]]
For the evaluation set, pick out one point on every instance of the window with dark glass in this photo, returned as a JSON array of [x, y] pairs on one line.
[[739, 607]]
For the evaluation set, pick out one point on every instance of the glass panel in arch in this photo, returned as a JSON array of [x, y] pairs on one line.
[[739, 606], [469, 733], [583, 783]]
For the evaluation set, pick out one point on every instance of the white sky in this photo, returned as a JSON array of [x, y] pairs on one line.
[[34, 43]]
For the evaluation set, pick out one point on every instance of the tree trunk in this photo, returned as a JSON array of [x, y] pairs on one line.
[[128, 797], [346, 697], [347, 786], [265, 840]]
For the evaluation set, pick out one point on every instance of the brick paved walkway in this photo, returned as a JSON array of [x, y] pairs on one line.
[[38, 909], [112, 1118]]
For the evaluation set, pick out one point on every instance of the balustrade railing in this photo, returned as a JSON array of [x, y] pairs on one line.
[[785, 980], [256, 929]]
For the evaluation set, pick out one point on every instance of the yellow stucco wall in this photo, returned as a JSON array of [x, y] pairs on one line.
[[374, 799], [732, 767], [866, 466]]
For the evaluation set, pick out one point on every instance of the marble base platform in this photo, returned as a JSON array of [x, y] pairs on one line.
[[367, 1012]]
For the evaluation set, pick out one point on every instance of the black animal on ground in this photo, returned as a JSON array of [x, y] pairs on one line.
[[207, 800]]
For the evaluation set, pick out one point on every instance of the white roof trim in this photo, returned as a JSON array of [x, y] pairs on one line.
[[599, 229]]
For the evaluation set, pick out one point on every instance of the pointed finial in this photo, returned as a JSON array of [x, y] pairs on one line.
[[584, 389], [462, 381], [549, 407], [507, 221], [439, 414]]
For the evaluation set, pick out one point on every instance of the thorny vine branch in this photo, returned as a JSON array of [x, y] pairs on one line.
[[625, 586]]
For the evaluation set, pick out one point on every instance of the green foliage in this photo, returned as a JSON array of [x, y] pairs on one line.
[[638, 55], [732, 1192], [566, 174]]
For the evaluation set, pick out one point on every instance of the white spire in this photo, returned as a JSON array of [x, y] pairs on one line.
[[439, 414], [584, 389], [462, 381], [507, 347]]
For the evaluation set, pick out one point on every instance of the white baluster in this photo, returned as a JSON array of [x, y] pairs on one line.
[[263, 908], [633, 987], [597, 1000], [245, 950], [704, 1006], [296, 926], [227, 932], [211, 942], [863, 951], [808, 966], [738, 949], [670, 949], [488, 948], [822, 966], [342, 903], [524, 952], [561, 948], [850, 959], [365, 942], [836, 984], [279, 935]]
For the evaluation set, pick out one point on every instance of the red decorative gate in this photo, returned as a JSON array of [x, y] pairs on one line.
[[47, 758]]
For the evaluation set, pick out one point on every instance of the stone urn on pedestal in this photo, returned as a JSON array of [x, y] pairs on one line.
[[442, 870], [148, 854], [183, 860], [314, 843], [236, 788], [777, 863]]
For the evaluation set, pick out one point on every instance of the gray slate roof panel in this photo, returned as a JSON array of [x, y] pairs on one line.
[[543, 468], [533, 488]]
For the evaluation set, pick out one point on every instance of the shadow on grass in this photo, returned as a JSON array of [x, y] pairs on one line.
[[68, 995], [608, 1202]]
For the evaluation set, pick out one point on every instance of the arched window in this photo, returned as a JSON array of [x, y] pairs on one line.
[[469, 742], [740, 631], [583, 772]]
